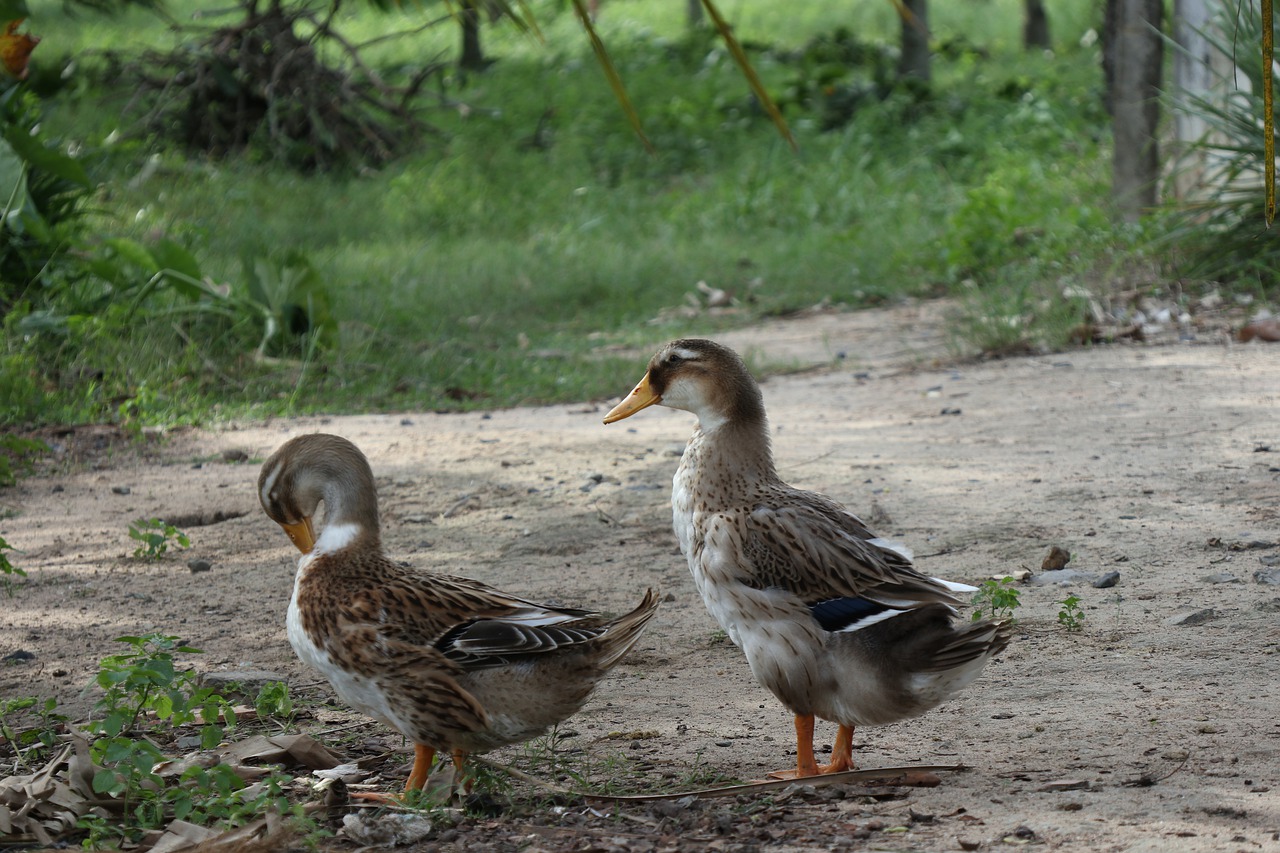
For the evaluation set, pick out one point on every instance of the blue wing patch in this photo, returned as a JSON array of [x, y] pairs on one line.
[[843, 614]]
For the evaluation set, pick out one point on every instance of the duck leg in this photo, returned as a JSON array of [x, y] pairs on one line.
[[806, 765], [459, 778], [422, 757], [842, 752]]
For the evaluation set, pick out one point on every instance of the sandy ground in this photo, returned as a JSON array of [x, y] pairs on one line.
[[1136, 733]]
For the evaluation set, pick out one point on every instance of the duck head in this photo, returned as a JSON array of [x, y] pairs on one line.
[[698, 376], [312, 469]]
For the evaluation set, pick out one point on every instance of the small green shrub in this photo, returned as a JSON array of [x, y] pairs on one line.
[[996, 599], [1217, 230], [30, 726], [154, 535], [8, 569], [16, 455], [145, 680], [1071, 616], [145, 697], [273, 700]]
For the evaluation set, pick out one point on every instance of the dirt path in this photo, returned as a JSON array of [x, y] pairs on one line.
[[1156, 462]]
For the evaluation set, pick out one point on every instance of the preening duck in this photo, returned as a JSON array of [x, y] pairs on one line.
[[452, 664]]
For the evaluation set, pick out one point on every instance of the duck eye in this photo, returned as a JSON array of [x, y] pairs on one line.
[[674, 358]]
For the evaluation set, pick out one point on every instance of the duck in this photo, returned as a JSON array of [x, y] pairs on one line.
[[836, 622], [452, 664]]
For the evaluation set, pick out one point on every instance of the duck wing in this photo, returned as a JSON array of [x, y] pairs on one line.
[[819, 551], [469, 623]]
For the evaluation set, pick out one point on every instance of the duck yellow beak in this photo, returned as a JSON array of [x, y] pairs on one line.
[[641, 397], [301, 534]]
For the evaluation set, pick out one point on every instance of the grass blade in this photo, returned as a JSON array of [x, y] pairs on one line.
[[740, 56], [611, 73]]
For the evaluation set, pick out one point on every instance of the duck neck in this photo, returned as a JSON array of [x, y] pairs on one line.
[[348, 521], [740, 445]]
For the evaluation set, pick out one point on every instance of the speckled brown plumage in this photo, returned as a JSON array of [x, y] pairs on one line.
[[449, 662], [836, 622]]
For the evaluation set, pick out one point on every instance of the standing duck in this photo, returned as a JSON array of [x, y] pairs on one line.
[[450, 663], [834, 621]]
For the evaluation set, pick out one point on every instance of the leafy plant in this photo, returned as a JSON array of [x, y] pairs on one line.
[[16, 452], [29, 737], [1218, 230], [154, 535], [273, 700], [1071, 616], [143, 691], [8, 569], [145, 680], [995, 598]]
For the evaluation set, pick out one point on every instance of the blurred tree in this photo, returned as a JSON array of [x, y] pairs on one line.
[[1035, 26], [1132, 57], [914, 61]]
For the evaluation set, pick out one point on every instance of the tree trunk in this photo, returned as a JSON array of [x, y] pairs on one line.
[[1199, 70], [1035, 27], [694, 14], [1132, 54], [914, 61], [472, 58]]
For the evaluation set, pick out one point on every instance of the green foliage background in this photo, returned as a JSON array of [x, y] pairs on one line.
[[497, 263]]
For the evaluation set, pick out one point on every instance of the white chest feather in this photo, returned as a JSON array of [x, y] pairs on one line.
[[714, 553], [356, 689]]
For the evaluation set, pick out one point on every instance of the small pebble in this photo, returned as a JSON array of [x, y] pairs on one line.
[[19, 656], [1221, 577], [121, 490], [57, 489], [1195, 617], [1107, 580], [406, 422], [1063, 577], [198, 565], [1055, 560], [235, 454], [1267, 577]]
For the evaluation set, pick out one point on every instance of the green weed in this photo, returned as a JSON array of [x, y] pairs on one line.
[[996, 599], [8, 569], [145, 698], [16, 455], [146, 681], [30, 726], [1217, 228], [273, 701], [1071, 616], [154, 536]]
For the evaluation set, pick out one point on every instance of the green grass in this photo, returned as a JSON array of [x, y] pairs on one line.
[[480, 272]]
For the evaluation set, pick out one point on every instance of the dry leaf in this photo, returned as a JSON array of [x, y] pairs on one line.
[[1264, 330], [15, 49], [301, 749]]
